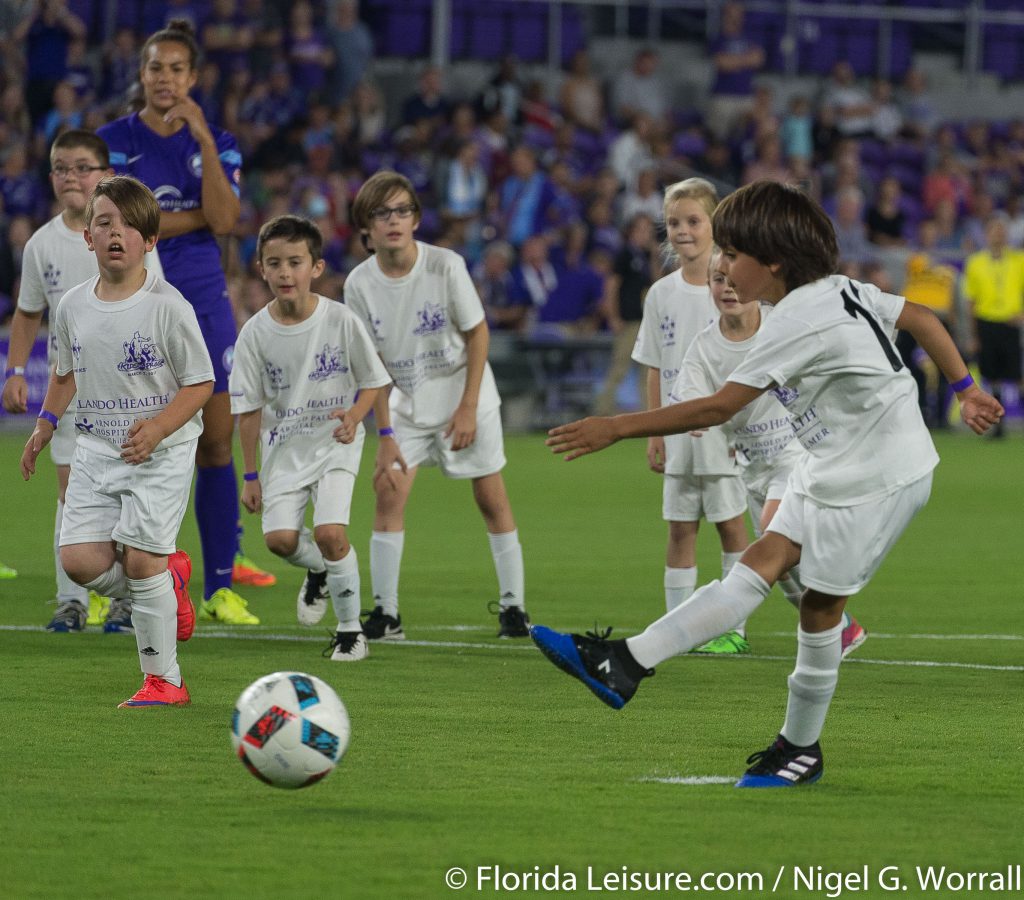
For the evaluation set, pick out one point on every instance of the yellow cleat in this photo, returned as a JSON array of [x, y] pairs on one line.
[[98, 609], [7, 572], [245, 571], [226, 607]]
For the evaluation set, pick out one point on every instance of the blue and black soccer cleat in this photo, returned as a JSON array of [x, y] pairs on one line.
[[783, 765]]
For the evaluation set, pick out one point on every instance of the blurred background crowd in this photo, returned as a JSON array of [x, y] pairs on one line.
[[547, 180]]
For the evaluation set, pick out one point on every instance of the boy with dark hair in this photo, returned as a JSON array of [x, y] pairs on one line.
[[826, 353], [305, 375], [130, 346]]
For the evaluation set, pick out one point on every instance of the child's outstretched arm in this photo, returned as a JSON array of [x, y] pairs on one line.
[[979, 410], [58, 395], [595, 433], [145, 434], [249, 425]]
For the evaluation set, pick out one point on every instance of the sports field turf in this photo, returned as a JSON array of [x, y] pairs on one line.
[[472, 752]]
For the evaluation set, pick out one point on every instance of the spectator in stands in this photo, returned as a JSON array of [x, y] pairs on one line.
[[46, 33], [65, 113], [947, 181], [503, 91], [370, 113], [635, 269], [81, 74], [505, 309], [851, 232], [737, 59], [267, 21], [630, 153], [227, 36], [640, 90], [21, 191], [885, 218], [886, 117], [643, 197], [993, 286], [352, 45], [920, 115], [463, 194], [581, 97], [120, 67], [1015, 221], [718, 166], [768, 163], [309, 53], [851, 104], [429, 101], [975, 225], [535, 112], [950, 239], [526, 198], [797, 130]]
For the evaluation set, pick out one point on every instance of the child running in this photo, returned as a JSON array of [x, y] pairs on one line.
[[428, 323], [760, 435], [826, 354], [305, 375], [131, 347], [700, 477], [56, 258]]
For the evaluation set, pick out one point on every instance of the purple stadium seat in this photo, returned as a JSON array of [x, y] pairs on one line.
[[528, 27]]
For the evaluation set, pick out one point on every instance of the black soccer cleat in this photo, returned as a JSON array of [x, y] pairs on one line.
[[606, 667], [513, 621], [379, 626], [783, 765]]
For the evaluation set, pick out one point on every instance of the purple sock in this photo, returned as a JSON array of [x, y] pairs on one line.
[[216, 502]]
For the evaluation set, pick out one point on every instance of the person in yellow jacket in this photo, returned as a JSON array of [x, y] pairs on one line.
[[993, 286]]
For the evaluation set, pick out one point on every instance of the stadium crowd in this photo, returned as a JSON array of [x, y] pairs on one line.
[[539, 186]]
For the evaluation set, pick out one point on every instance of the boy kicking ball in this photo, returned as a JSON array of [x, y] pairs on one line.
[[826, 354], [131, 347], [305, 375]]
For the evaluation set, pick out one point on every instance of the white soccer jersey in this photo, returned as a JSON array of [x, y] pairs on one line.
[[129, 358], [828, 349], [297, 375], [55, 260], [417, 323], [761, 434], [675, 312]]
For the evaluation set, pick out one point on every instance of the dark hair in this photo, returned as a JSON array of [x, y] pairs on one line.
[[778, 224], [374, 194], [135, 202], [292, 229], [179, 30], [79, 138]]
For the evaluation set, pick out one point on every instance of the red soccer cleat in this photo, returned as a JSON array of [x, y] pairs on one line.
[[180, 567], [853, 636], [157, 692], [245, 571]]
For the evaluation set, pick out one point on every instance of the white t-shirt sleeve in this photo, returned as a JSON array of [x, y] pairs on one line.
[[32, 293], [367, 368], [186, 349], [646, 351], [65, 359], [245, 383], [467, 310], [695, 379], [784, 347]]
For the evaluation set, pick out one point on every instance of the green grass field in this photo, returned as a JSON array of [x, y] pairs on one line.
[[472, 752]]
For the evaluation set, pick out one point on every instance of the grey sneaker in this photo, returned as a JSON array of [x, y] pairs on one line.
[[313, 598], [119, 619], [70, 616]]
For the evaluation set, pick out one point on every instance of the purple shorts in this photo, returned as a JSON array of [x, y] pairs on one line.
[[219, 332]]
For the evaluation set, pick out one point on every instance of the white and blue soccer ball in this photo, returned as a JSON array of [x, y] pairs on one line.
[[290, 729]]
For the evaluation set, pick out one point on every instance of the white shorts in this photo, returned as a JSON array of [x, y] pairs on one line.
[[843, 546], [690, 498], [62, 444], [773, 489], [139, 506], [331, 497], [429, 447]]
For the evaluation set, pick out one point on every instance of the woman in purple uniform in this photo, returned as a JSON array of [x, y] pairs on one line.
[[194, 170]]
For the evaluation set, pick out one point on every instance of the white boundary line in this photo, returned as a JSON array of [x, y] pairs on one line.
[[250, 634]]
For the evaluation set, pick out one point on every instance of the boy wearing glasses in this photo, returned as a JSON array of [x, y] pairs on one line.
[[56, 258], [428, 324]]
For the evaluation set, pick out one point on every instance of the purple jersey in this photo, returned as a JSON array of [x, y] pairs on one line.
[[171, 167]]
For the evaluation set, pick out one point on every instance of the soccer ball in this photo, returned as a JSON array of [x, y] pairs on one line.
[[289, 729]]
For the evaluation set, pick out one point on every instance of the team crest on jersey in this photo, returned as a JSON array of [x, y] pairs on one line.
[[431, 318], [275, 374], [140, 355], [85, 426], [51, 275], [195, 164], [227, 358], [785, 395], [76, 348], [668, 330], [327, 363], [376, 326]]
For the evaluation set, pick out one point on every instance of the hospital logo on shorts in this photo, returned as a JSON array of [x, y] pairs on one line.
[[140, 355], [431, 318], [327, 363]]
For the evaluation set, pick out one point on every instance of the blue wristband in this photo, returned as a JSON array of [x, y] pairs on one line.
[[963, 384], [49, 417], [251, 476], [385, 432]]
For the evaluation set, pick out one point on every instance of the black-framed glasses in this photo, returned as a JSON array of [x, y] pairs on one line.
[[383, 213], [80, 169]]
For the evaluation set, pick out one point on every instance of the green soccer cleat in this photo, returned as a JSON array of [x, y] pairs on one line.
[[99, 606], [226, 607], [7, 572], [732, 642]]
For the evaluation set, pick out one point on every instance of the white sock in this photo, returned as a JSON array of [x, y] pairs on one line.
[[385, 564], [507, 553], [791, 586], [343, 583], [679, 586], [155, 618], [711, 611], [812, 684], [66, 588], [728, 561], [307, 554], [112, 583]]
